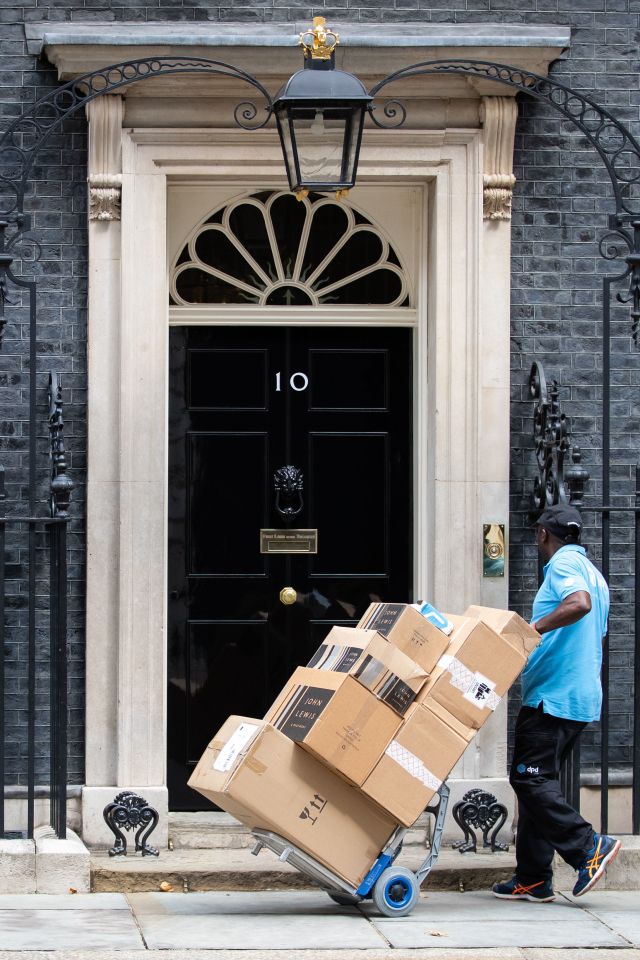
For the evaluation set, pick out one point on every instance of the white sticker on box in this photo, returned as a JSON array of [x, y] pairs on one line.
[[474, 687], [234, 746], [481, 692], [412, 764]]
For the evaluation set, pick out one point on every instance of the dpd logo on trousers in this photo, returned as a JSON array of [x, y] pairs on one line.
[[521, 768]]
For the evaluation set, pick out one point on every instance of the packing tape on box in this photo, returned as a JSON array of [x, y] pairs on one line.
[[412, 764], [474, 687]]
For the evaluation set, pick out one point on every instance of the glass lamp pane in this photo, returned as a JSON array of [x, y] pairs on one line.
[[320, 143], [284, 129]]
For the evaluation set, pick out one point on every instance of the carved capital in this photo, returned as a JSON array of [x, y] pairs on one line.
[[105, 157], [498, 117]]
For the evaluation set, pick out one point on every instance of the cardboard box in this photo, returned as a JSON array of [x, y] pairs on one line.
[[507, 623], [407, 630], [412, 768], [264, 780], [336, 719], [475, 672], [377, 664]]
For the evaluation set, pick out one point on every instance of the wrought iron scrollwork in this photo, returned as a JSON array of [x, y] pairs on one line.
[[288, 483], [552, 442], [38, 122], [479, 810], [617, 147], [20, 226], [61, 484], [129, 812]]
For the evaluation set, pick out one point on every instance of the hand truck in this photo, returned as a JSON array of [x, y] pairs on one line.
[[394, 889]]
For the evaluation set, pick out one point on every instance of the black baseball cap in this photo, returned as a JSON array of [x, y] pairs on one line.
[[561, 520]]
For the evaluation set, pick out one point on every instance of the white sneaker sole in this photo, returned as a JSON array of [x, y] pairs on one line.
[[610, 857], [523, 896]]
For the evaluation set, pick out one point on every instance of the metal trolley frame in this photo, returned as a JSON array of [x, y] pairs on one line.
[[394, 889]]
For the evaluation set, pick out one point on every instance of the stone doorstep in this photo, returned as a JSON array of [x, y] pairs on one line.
[[190, 870], [237, 869], [44, 864]]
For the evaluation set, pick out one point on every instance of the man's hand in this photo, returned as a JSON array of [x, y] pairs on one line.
[[573, 608]]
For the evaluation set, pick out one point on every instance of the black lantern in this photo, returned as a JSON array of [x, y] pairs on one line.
[[320, 114]]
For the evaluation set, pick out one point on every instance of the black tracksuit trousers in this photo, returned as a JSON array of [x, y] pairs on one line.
[[546, 821]]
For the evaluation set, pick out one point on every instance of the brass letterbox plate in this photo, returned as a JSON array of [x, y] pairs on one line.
[[493, 553], [288, 541]]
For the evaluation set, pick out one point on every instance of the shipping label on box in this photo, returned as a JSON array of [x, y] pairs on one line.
[[407, 630], [475, 673], [389, 673], [415, 764], [273, 785], [336, 718]]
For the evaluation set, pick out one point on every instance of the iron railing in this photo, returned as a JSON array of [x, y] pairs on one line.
[[35, 621], [554, 484]]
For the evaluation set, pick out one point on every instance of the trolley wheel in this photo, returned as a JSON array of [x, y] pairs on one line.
[[396, 892], [344, 899]]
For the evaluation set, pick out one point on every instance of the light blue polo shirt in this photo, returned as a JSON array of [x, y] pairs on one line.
[[563, 672]]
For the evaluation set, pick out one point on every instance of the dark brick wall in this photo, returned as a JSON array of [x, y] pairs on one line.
[[561, 202]]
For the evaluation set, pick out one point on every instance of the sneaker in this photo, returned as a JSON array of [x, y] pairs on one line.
[[540, 892], [603, 852]]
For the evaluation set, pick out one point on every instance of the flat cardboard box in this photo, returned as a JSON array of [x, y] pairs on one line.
[[336, 719], [475, 673], [377, 664], [506, 622], [414, 765], [407, 630], [264, 780]]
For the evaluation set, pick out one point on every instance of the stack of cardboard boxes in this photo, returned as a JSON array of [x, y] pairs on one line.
[[360, 739]]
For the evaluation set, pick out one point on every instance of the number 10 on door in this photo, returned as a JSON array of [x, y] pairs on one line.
[[297, 381]]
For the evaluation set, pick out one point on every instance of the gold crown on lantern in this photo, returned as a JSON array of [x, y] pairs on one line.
[[320, 41]]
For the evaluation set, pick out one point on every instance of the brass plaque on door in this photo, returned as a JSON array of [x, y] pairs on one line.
[[288, 541]]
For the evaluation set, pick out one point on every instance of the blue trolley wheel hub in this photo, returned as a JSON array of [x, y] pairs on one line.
[[397, 892]]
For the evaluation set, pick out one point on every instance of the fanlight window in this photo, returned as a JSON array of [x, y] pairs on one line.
[[272, 249]]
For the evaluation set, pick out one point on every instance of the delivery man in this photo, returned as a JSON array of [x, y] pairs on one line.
[[561, 694]]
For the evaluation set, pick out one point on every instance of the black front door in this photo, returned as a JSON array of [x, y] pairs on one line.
[[337, 405]]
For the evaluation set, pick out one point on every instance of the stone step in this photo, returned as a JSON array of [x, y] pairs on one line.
[[189, 870], [220, 831], [230, 869]]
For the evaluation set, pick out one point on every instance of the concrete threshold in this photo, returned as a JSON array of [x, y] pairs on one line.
[[191, 870]]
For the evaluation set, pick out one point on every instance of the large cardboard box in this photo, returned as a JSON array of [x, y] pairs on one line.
[[263, 779], [414, 765], [377, 664], [336, 719], [407, 630], [475, 672], [507, 623]]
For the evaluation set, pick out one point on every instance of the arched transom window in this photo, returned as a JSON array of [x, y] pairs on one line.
[[271, 249]]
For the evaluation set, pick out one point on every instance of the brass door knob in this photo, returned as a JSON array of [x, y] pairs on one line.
[[288, 596]]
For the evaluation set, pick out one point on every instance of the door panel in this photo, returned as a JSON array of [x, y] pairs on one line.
[[336, 403]]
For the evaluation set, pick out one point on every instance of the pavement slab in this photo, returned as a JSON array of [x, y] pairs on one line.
[[619, 910], [474, 919], [68, 929], [273, 921]]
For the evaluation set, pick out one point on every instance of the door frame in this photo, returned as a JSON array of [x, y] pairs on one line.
[[461, 389]]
